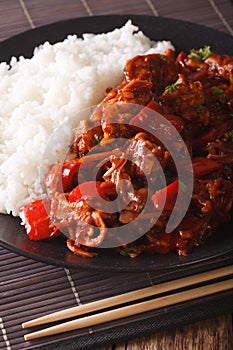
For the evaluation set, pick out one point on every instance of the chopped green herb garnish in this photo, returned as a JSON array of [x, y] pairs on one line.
[[125, 251], [96, 138], [164, 58], [231, 134], [173, 87], [194, 55], [200, 54], [217, 91]]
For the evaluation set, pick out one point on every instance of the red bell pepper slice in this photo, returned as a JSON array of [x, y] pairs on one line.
[[180, 57], [87, 191], [143, 118], [60, 176], [176, 121], [181, 61], [35, 218], [170, 193], [68, 170], [155, 106]]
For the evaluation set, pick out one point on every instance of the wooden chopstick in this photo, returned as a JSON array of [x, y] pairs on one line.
[[134, 309], [132, 296]]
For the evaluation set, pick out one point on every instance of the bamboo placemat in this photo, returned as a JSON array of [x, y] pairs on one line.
[[29, 288], [20, 15]]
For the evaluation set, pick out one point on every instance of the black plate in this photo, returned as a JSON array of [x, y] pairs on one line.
[[184, 36]]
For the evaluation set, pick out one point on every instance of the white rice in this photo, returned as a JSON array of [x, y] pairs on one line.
[[38, 94]]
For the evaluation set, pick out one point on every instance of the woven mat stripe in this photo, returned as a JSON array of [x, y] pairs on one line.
[[19, 274], [224, 10], [120, 7], [32, 307], [43, 12], [19, 268], [198, 11], [21, 281], [213, 13], [36, 295], [30, 289], [102, 290], [83, 278], [12, 19]]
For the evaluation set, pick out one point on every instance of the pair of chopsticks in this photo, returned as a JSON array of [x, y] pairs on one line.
[[136, 308]]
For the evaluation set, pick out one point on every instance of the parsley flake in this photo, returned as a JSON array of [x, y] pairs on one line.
[[217, 91], [125, 251], [96, 138], [173, 87], [200, 54], [163, 59]]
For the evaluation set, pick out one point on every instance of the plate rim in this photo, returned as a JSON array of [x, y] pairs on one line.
[[111, 18]]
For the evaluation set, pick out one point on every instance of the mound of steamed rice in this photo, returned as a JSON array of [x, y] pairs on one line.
[[38, 94]]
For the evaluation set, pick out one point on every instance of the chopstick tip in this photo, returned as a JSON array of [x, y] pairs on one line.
[[24, 325], [28, 337]]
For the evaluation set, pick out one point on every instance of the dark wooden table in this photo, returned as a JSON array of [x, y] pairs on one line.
[[19, 15]]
